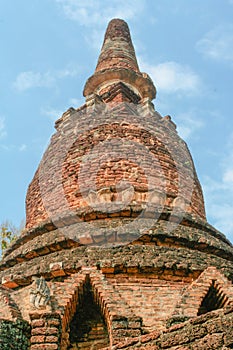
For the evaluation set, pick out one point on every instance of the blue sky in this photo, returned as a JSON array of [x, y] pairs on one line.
[[50, 47]]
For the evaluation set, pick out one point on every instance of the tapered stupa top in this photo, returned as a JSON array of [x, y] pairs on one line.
[[117, 50], [117, 63]]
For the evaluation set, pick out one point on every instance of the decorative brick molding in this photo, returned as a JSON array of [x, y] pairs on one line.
[[119, 317], [196, 235], [194, 294], [121, 320], [67, 296]]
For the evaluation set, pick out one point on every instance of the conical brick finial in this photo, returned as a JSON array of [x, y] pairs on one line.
[[117, 63], [117, 50]]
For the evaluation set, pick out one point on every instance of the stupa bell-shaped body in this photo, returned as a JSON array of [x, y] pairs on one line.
[[117, 244], [156, 164]]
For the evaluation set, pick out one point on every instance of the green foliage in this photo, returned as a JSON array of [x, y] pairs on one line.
[[8, 233], [14, 335]]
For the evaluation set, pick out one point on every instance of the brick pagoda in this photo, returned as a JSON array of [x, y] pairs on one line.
[[117, 252]]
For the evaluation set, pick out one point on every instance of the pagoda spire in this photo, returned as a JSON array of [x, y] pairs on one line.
[[117, 50], [118, 63]]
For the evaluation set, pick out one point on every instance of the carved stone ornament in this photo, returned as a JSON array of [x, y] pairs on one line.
[[39, 292]]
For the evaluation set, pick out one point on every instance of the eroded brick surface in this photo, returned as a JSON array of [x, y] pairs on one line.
[[212, 331]]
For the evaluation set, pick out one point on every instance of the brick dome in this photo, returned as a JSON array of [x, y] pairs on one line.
[[124, 155]]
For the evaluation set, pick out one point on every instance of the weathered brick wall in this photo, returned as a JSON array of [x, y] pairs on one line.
[[118, 45], [88, 297], [212, 331], [119, 159], [95, 308], [131, 154], [8, 307], [159, 259], [117, 93], [46, 330], [189, 304], [121, 319], [37, 210], [152, 299]]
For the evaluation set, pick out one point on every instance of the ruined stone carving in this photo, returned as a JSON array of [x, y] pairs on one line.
[[39, 292], [179, 203], [140, 197], [92, 197], [156, 197], [105, 195], [127, 194]]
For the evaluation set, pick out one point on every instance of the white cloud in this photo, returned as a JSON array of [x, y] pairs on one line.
[[218, 43], [95, 38], [52, 113], [94, 14], [5, 147], [76, 102], [55, 113], [228, 176], [219, 198], [188, 124], [98, 12], [223, 214], [219, 194], [172, 77], [29, 79], [10, 147], [67, 72], [3, 132], [23, 147]]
